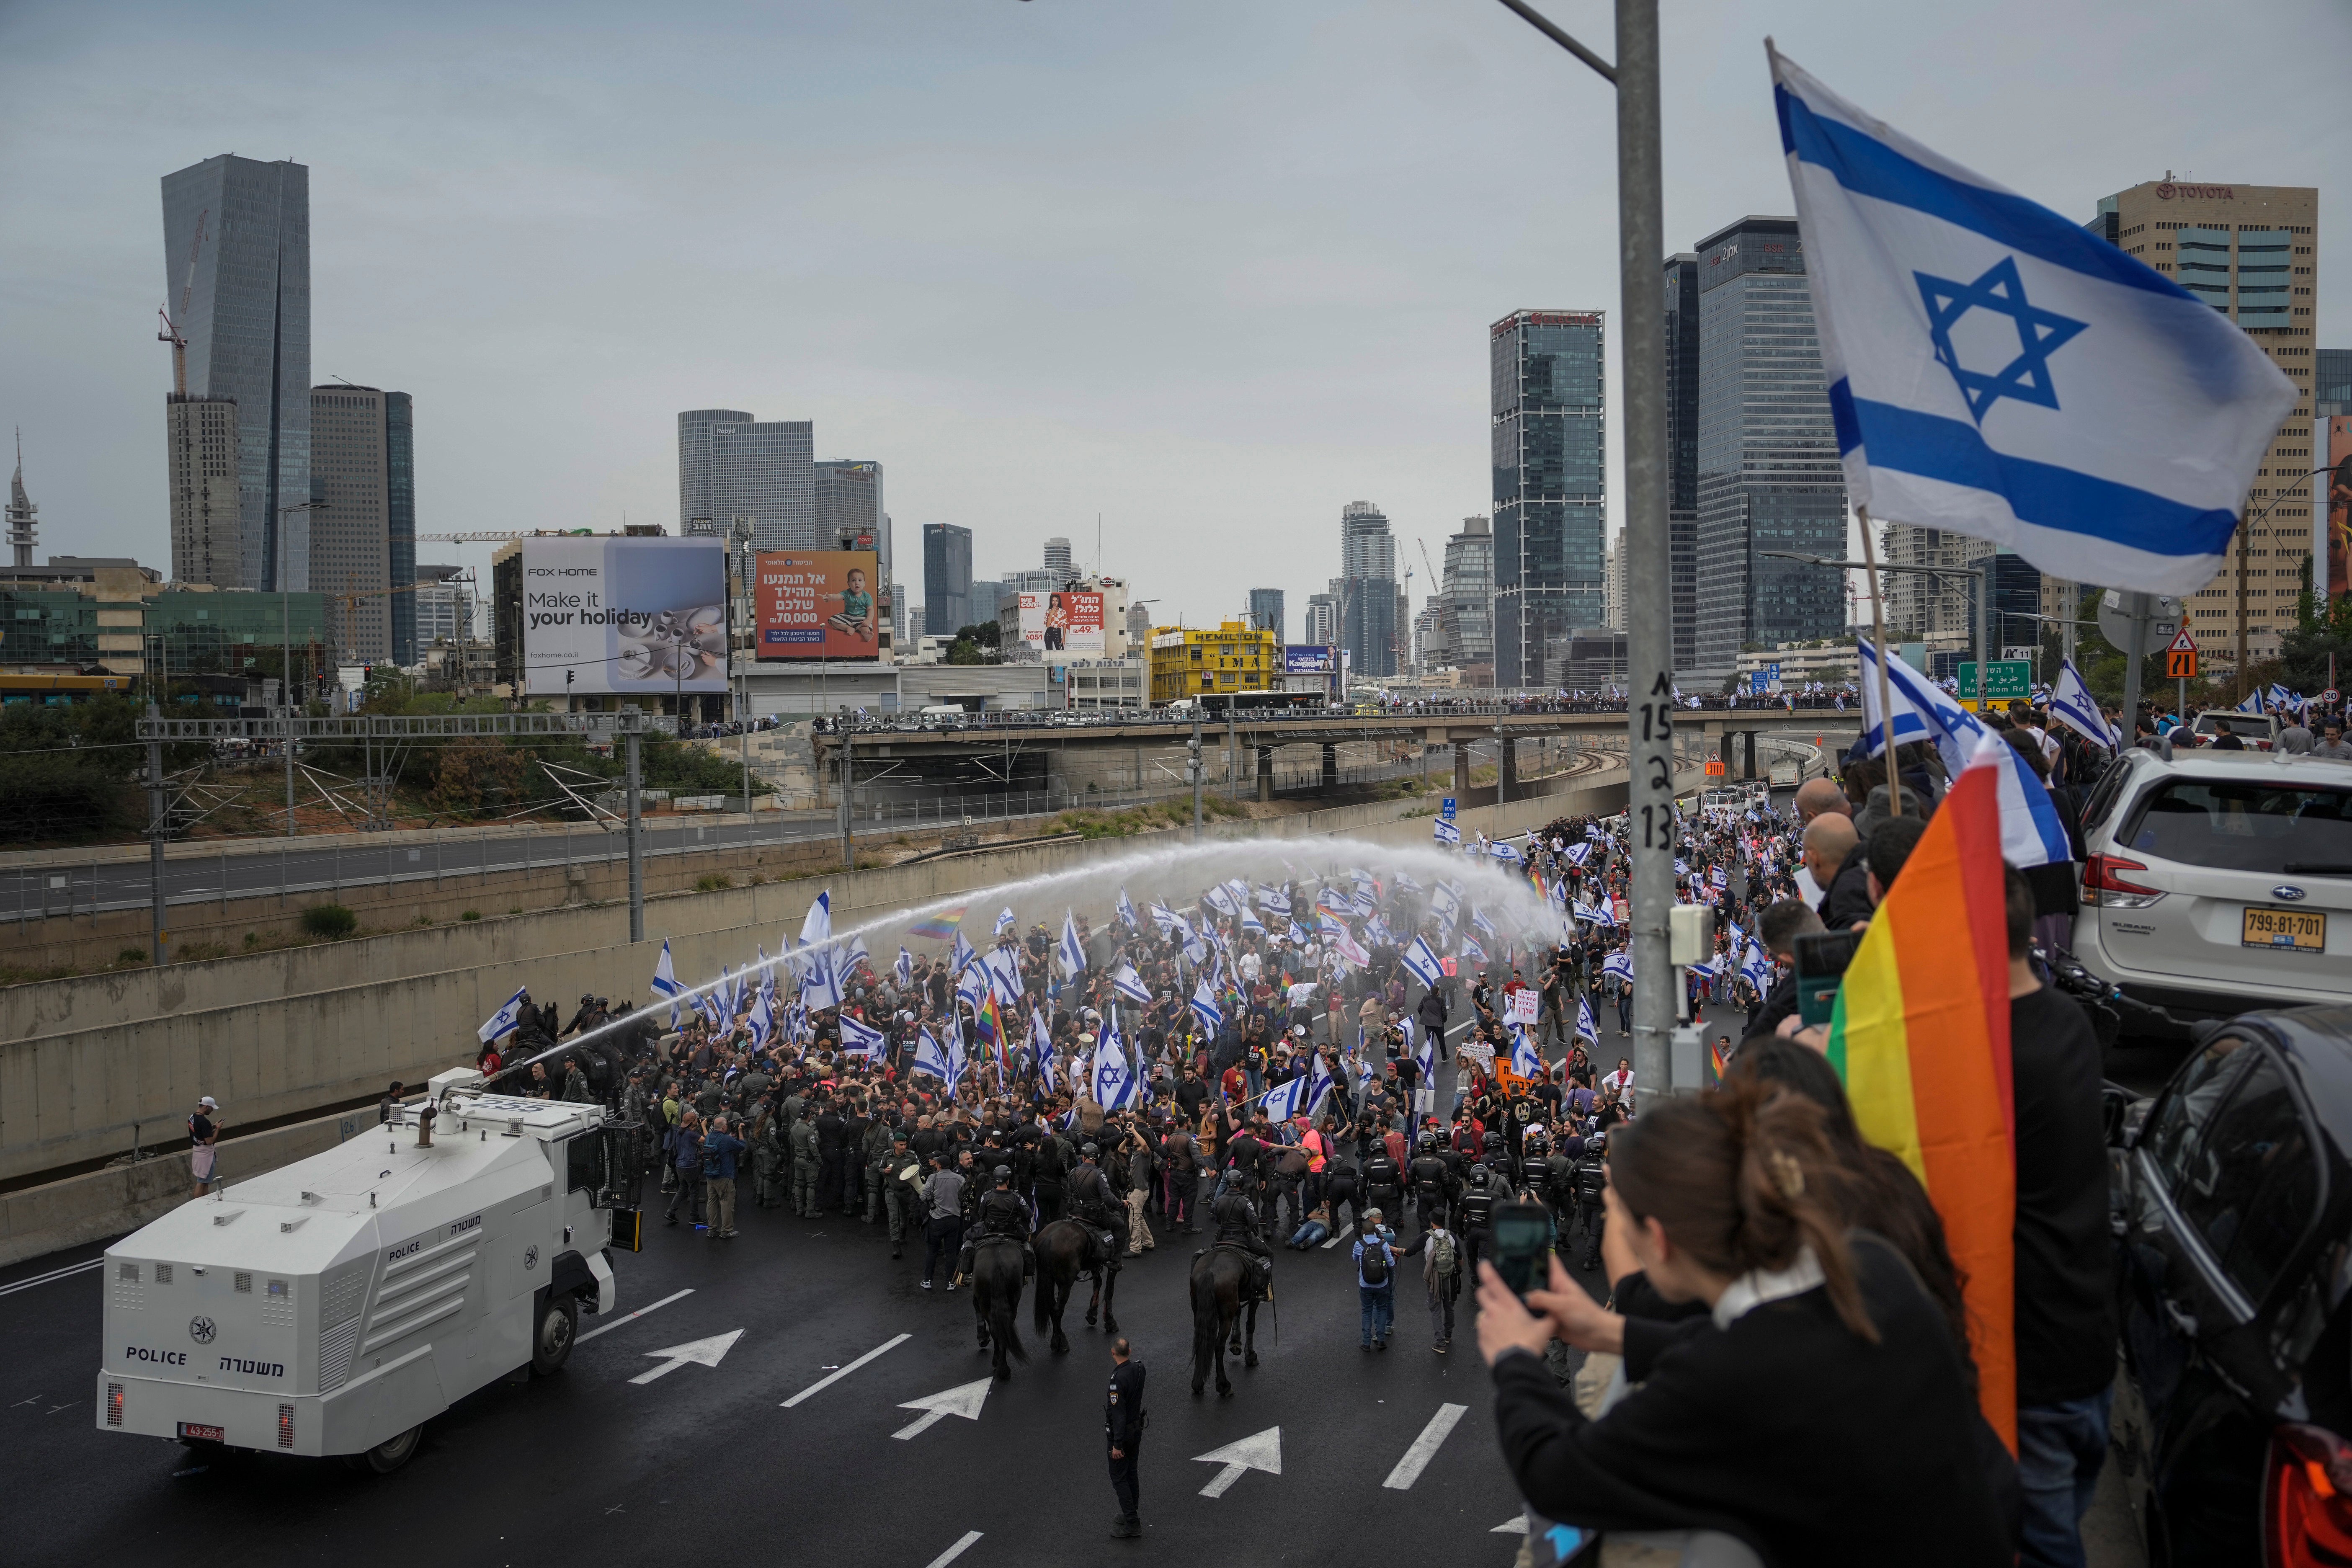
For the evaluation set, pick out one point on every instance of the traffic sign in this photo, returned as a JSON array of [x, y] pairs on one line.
[[2116, 616], [2329, 695], [2010, 677], [2180, 657], [1446, 808], [2182, 642]]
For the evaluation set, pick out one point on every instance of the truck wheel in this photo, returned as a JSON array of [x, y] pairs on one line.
[[559, 1325], [391, 1454]]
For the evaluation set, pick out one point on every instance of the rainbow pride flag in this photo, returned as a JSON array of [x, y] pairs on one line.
[[988, 1028], [938, 927], [1921, 1037]]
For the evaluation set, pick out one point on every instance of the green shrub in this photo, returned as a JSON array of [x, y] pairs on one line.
[[332, 922], [471, 915], [132, 956]]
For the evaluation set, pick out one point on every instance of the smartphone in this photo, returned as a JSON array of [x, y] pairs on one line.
[[1822, 960], [1522, 1234]]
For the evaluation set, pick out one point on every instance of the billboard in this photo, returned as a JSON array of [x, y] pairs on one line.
[[1306, 659], [623, 616], [821, 604], [2339, 479], [1068, 622]]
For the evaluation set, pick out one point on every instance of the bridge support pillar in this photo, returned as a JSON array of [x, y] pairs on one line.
[[1330, 765], [1462, 769], [1266, 773], [1751, 753], [1507, 775]]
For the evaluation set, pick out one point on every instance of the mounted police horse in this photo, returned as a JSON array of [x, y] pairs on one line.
[[996, 1268], [1224, 1304], [1066, 1248]]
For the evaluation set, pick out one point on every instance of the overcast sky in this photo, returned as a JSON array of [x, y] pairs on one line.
[[1208, 269]]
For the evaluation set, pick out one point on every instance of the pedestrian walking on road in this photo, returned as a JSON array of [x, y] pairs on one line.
[[943, 1229], [204, 1139], [1441, 1275], [1123, 1427], [719, 1151], [686, 1160], [1376, 1282]]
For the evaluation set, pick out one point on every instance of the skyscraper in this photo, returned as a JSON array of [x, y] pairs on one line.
[[237, 247], [731, 465], [2332, 389], [1057, 560], [1617, 583], [2239, 248], [1468, 590], [849, 506], [364, 520], [1368, 569], [947, 579], [1266, 612], [1682, 457], [21, 513], [1768, 476], [1322, 629], [1546, 386]]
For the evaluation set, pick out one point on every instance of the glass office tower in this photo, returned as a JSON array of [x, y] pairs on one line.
[[1547, 383]]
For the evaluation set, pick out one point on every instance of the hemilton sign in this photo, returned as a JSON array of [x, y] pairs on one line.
[[2167, 191]]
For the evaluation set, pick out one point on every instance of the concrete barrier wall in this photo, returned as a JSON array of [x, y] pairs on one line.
[[281, 1035], [100, 1204]]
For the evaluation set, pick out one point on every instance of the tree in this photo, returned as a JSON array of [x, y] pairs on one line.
[[2322, 630], [975, 645]]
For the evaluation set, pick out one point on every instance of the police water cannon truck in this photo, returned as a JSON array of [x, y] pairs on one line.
[[335, 1305]]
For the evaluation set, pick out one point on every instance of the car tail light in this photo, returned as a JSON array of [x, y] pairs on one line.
[[114, 1405], [285, 1425], [2306, 1499], [2103, 884]]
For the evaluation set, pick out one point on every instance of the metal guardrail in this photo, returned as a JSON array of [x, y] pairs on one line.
[[1338, 718], [405, 727]]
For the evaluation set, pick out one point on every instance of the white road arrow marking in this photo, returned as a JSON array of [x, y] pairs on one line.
[[965, 1402], [820, 1384], [702, 1352], [1425, 1447], [1261, 1451], [1514, 1526]]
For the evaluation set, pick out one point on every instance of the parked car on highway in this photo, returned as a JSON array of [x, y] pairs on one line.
[[2231, 1202], [2219, 881], [2258, 730]]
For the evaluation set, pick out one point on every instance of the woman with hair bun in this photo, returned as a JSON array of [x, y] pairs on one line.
[[1819, 1410]]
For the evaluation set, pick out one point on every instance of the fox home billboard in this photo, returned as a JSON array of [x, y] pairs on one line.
[[602, 616]]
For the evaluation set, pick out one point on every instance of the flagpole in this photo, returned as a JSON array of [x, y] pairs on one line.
[[1887, 687]]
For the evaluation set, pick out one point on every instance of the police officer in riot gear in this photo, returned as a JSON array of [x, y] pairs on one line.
[[1001, 1214], [1092, 1203], [1478, 1219], [1236, 1222], [1591, 1181], [1383, 1183], [1430, 1179]]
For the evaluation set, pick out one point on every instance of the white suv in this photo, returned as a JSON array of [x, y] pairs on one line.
[[2220, 882]]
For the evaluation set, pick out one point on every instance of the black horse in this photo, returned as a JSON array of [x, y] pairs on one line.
[[996, 1301], [1223, 1304], [1066, 1249]]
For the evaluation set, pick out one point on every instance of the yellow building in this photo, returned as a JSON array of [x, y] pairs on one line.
[[1189, 661]]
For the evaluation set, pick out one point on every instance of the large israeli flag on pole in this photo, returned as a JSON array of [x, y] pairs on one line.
[[665, 981], [859, 1039], [503, 1021], [2072, 704], [1422, 963], [1074, 951], [1284, 1101], [1995, 369], [1129, 985]]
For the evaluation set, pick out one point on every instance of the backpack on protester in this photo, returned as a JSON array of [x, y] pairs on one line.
[[1442, 1250], [1376, 1263]]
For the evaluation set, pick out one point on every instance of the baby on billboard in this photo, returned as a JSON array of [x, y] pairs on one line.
[[856, 616]]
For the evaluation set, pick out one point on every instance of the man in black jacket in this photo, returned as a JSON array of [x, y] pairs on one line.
[[1123, 1431], [1430, 1011], [1833, 856]]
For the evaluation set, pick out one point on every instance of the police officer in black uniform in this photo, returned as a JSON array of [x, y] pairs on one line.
[[1236, 1220], [1091, 1201], [1050, 1180], [1429, 1176], [1591, 1181], [1383, 1183], [1123, 1428], [1001, 1212], [1477, 1224]]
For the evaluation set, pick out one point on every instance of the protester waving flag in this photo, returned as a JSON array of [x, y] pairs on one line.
[[904, 970], [1127, 912], [1471, 950], [1920, 1035], [1319, 1081], [1004, 921], [859, 1039], [816, 926], [1422, 963], [1446, 832], [1251, 923], [971, 986], [2072, 704], [1619, 965], [1284, 1101], [1585, 1028], [505, 1021], [2031, 831], [1205, 1008], [1526, 1059], [1040, 1043], [1995, 369], [1074, 951], [988, 1030], [761, 1019], [1756, 969], [961, 957], [1115, 1084]]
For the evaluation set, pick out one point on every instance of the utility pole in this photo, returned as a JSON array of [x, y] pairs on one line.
[[636, 837], [1648, 598], [286, 648], [1194, 767], [848, 779], [157, 826]]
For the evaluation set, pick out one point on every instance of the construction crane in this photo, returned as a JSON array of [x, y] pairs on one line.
[[1444, 602], [170, 333]]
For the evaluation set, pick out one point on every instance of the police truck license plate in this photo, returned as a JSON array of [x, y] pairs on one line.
[[206, 1434], [2296, 931]]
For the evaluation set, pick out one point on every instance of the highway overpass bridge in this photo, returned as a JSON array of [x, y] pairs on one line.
[[1019, 750]]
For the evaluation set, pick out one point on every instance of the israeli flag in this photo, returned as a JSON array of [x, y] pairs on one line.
[[1219, 899], [2252, 702], [1447, 833], [1995, 369], [506, 1019], [1162, 916], [816, 926], [1619, 965], [904, 969], [1074, 951], [860, 1040], [1404, 884], [761, 1020], [1205, 1008], [665, 981], [1127, 911], [1756, 969], [1003, 976], [1478, 918], [1273, 899], [821, 989], [1585, 1028], [1422, 963], [1004, 921], [2030, 832], [852, 955], [1445, 903], [1717, 877], [1250, 923], [1576, 853], [1040, 1044], [1319, 1081], [1115, 1084], [1596, 914], [931, 1058], [1471, 950], [960, 956], [1425, 1055], [2076, 709], [1507, 854], [1286, 1101], [1129, 985], [1525, 1060], [971, 988]]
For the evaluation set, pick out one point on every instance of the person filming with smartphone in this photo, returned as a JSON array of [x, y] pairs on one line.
[[1819, 1354]]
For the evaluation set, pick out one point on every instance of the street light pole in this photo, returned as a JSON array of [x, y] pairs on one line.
[[285, 649]]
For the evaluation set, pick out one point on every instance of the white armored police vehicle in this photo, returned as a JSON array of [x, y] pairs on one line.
[[337, 1304]]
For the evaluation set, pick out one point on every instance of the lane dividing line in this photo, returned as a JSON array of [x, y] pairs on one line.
[[953, 1552], [1345, 1232], [820, 1384], [1425, 1447], [53, 1275], [631, 1318]]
